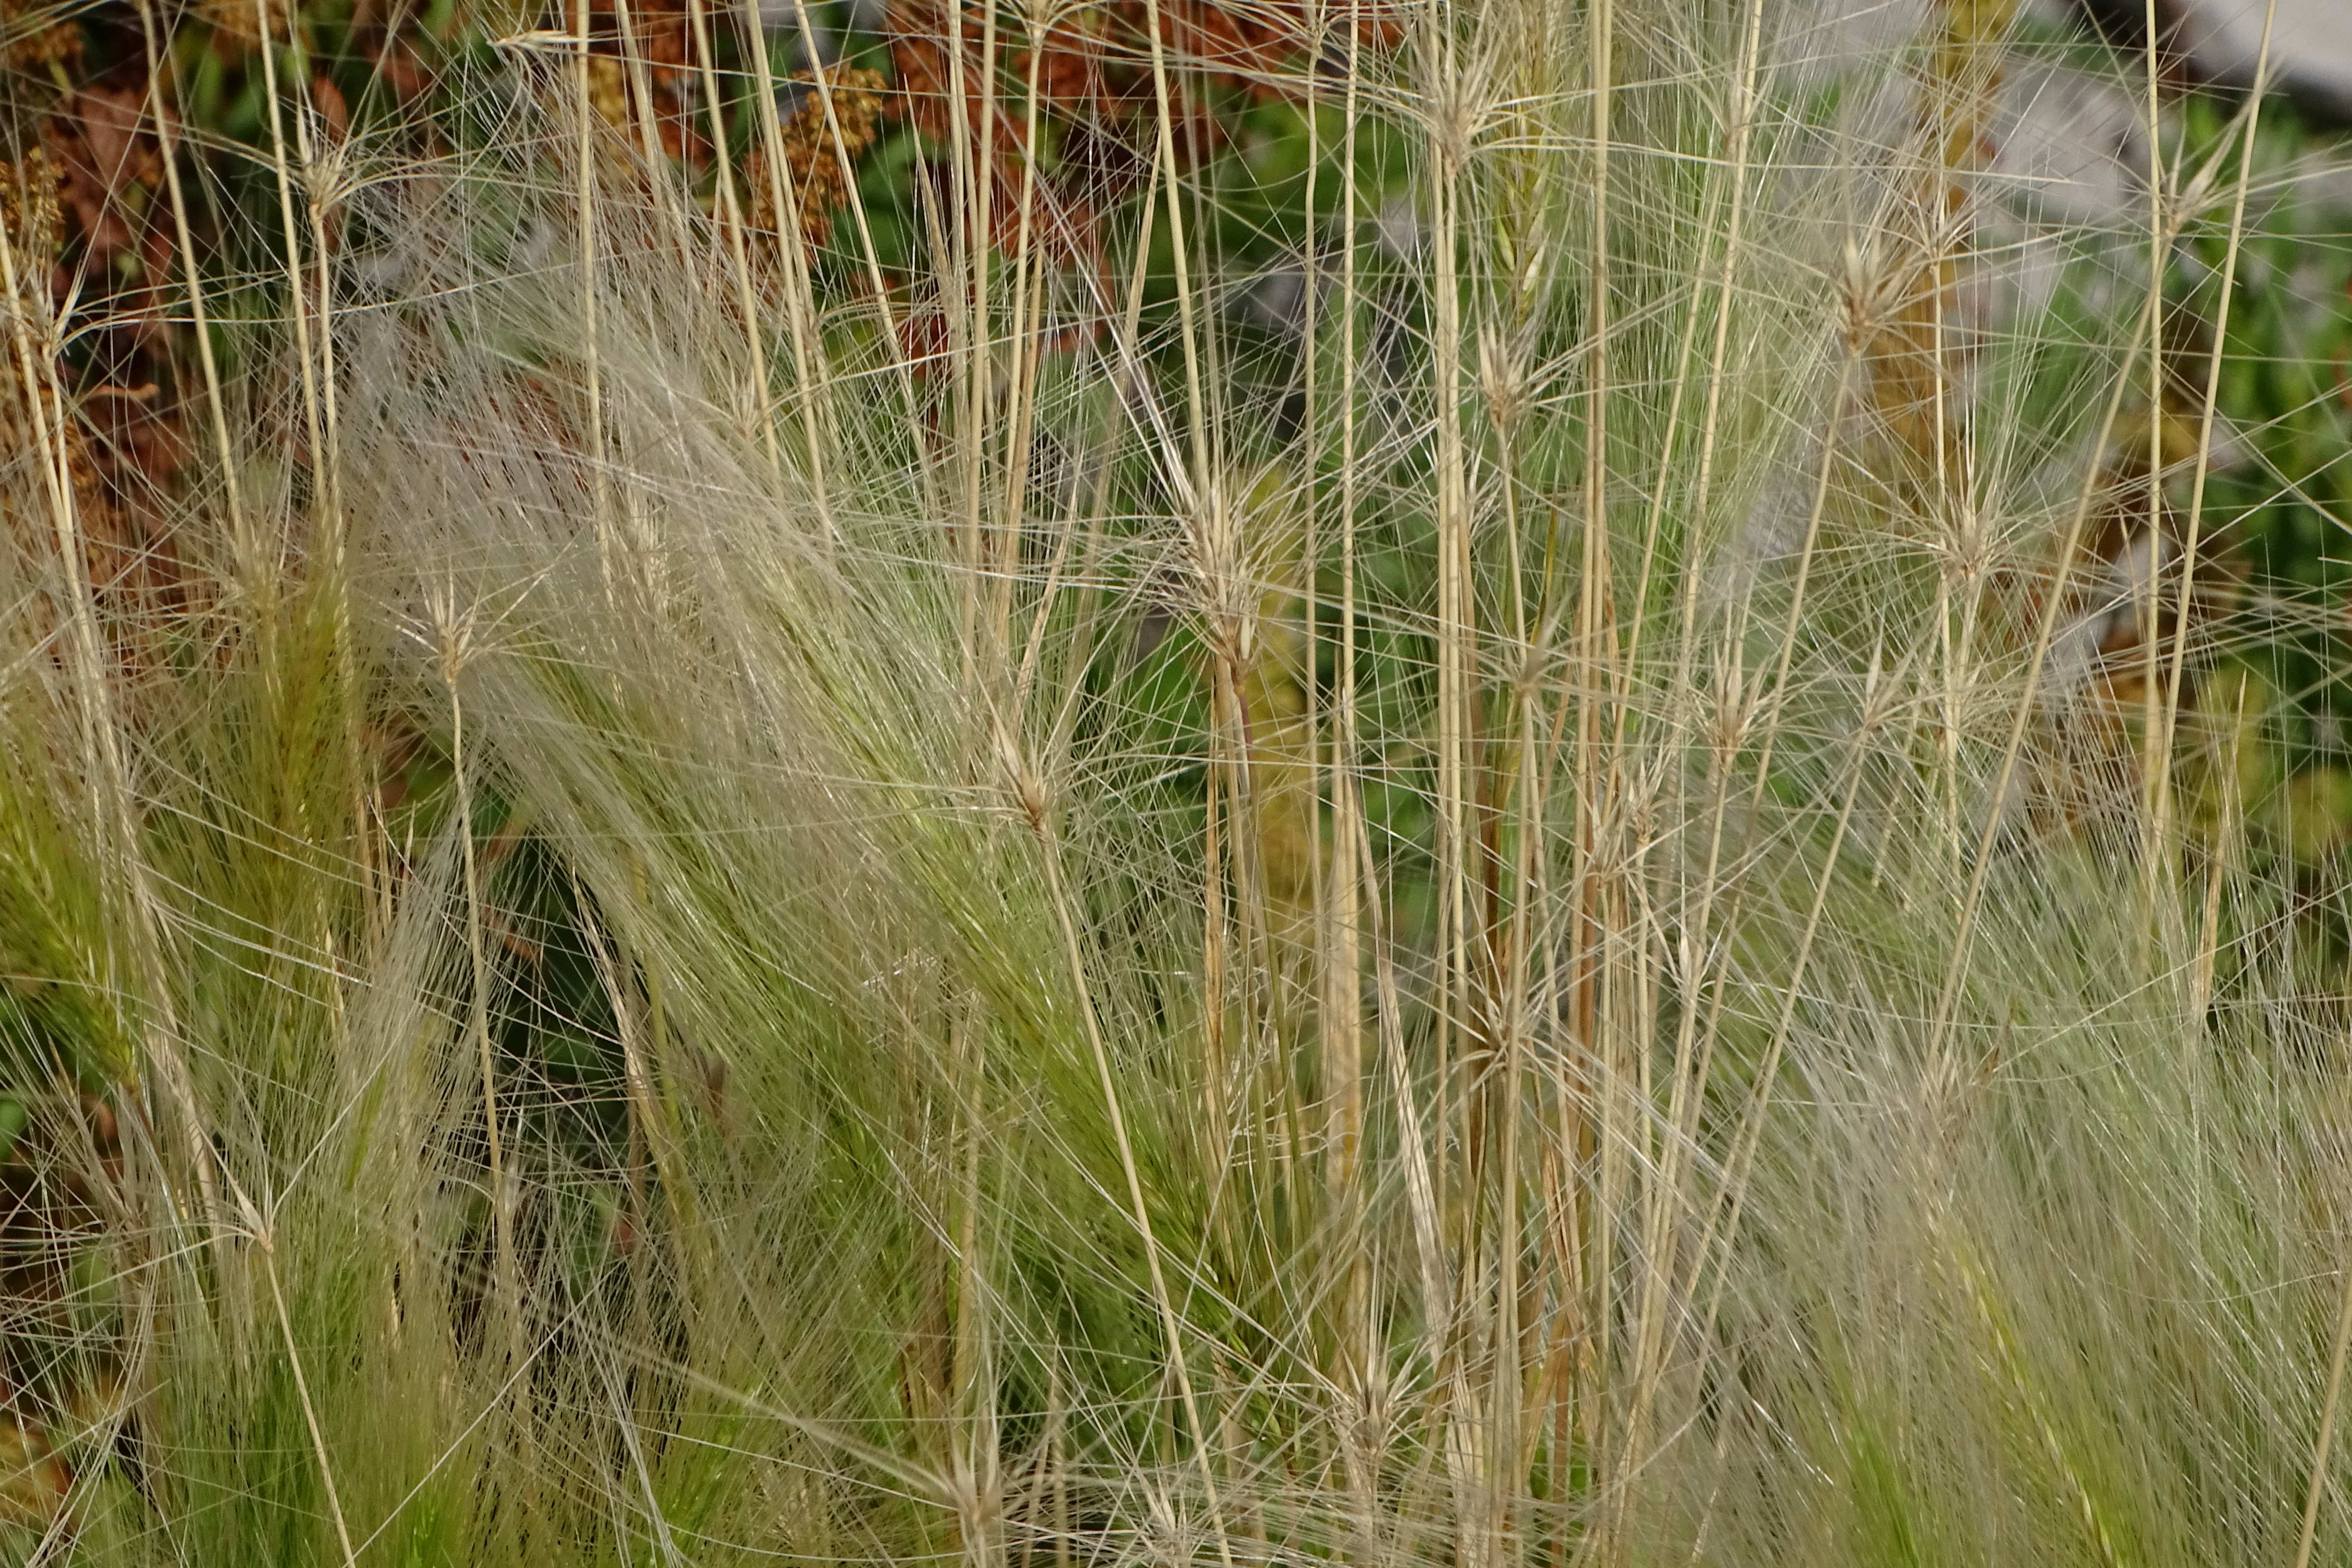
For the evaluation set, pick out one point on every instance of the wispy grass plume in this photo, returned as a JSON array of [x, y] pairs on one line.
[[1503, 821]]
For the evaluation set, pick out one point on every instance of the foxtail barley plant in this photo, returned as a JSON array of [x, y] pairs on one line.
[[1493, 814]]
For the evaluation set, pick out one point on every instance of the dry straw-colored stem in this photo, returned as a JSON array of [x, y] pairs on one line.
[[1162, 1299], [2193, 535]]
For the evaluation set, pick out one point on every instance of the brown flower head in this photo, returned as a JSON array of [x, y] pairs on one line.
[[816, 172]]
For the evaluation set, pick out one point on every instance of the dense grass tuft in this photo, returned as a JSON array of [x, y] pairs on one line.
[[1471, 846]]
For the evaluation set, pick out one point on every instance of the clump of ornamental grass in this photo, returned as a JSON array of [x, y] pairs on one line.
[[1485, 895]]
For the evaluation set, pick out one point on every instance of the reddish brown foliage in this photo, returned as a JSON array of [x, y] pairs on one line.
[[1097, 93]]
